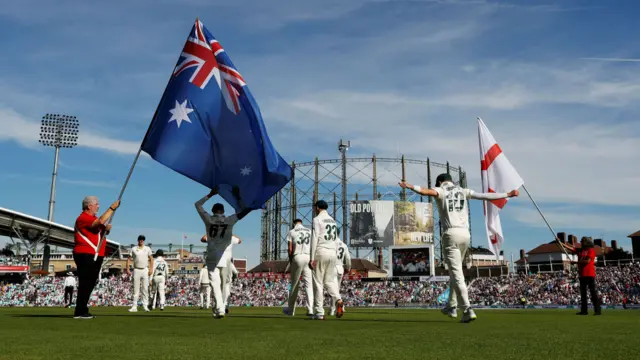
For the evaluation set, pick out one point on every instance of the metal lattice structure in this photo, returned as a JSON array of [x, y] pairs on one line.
[[340, 181]]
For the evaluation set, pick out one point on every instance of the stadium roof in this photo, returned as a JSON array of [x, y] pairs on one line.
[[480, 251], [553, 247], [31, 228], [635, 234]]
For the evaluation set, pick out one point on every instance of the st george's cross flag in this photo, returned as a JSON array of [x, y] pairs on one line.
[[498, 176], [208, 127]]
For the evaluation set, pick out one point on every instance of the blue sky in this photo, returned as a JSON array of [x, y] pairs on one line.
[[391, 76]]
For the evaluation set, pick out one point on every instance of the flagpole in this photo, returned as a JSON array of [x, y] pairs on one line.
[[546, 222], [126, 182]]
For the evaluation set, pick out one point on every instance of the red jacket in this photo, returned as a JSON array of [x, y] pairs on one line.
[[86, 237]]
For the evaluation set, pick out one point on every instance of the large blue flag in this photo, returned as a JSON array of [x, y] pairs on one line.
[[209, 128]]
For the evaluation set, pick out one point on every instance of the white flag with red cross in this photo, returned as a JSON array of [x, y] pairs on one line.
[[498, 176]]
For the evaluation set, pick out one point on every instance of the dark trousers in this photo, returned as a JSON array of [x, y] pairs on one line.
[[88, 271], [589, 282], [68, 294]]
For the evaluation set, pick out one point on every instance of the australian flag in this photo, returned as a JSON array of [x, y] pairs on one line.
[[208, 127]]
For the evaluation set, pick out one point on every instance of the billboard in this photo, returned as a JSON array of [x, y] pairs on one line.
[[384, 223], [412, 261]]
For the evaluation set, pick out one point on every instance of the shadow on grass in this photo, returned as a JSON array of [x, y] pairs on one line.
[[344, 319], [103, 315], [230, 317]]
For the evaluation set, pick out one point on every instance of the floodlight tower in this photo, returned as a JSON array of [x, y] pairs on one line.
[[59, 131]]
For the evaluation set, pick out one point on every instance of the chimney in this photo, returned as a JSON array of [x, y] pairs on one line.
[[597, 242], [521, 254], [562, 236], [573, 240], [614, 244]]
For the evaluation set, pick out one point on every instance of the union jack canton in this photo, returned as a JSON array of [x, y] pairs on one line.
[[205, 53]]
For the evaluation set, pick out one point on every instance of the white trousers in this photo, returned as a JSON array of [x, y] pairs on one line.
[[227, 277], [205, 293], [333, 301], [140, 277], [456, 243], [324, 277], [300, 266], [157, 289], [216, 286]]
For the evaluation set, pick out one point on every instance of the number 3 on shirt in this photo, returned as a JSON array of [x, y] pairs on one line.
[[213, 230], [331, 232], [304, 239]]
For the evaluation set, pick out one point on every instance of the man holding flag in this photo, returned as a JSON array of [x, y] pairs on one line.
[[208, 127], [453, 210]]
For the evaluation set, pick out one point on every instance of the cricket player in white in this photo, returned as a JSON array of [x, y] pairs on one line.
[[343, 262], [158, 279], [453, 210], [323, 260], [142, 265], [219, 237], [299, 240], [205, 288], [227, 269]]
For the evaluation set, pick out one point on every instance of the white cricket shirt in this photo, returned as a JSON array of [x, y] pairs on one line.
[[70, 281], [300, 237], [160, 267], [342, 254], [140, 257], [325, 233], [452, 201]]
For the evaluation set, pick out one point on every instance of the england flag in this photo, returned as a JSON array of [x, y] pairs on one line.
[[498, 176]]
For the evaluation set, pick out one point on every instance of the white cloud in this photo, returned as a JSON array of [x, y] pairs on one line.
[[563, 155], [27, 133], [89, 183], [575, 218]]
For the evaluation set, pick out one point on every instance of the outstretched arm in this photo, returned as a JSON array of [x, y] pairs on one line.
[[493, 196], [236, 193], [199, 205], [418, 189]]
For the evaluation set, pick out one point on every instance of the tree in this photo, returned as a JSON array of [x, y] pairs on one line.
[[7, 251]]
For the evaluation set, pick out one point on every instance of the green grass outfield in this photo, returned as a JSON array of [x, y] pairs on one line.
[[263, 333]]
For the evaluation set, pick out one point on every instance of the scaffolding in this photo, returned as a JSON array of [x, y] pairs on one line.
[[339, 182]]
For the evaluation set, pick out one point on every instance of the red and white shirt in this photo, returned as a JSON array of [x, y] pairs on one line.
[[589, 269], [86, 237]]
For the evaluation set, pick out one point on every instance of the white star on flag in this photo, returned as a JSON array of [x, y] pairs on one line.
[[245, 171], [180, 113]]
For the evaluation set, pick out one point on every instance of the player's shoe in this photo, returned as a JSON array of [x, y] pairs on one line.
[[332, 313], [318, 317], [133, 309], [340, 310], [161, 307], [468, 316], [226, 309], [146, 309], [309, 313], [84, 317], [453, 313], [287, 311], [218, 315]]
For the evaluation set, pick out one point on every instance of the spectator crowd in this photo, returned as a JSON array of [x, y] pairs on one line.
[[615, 285]]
